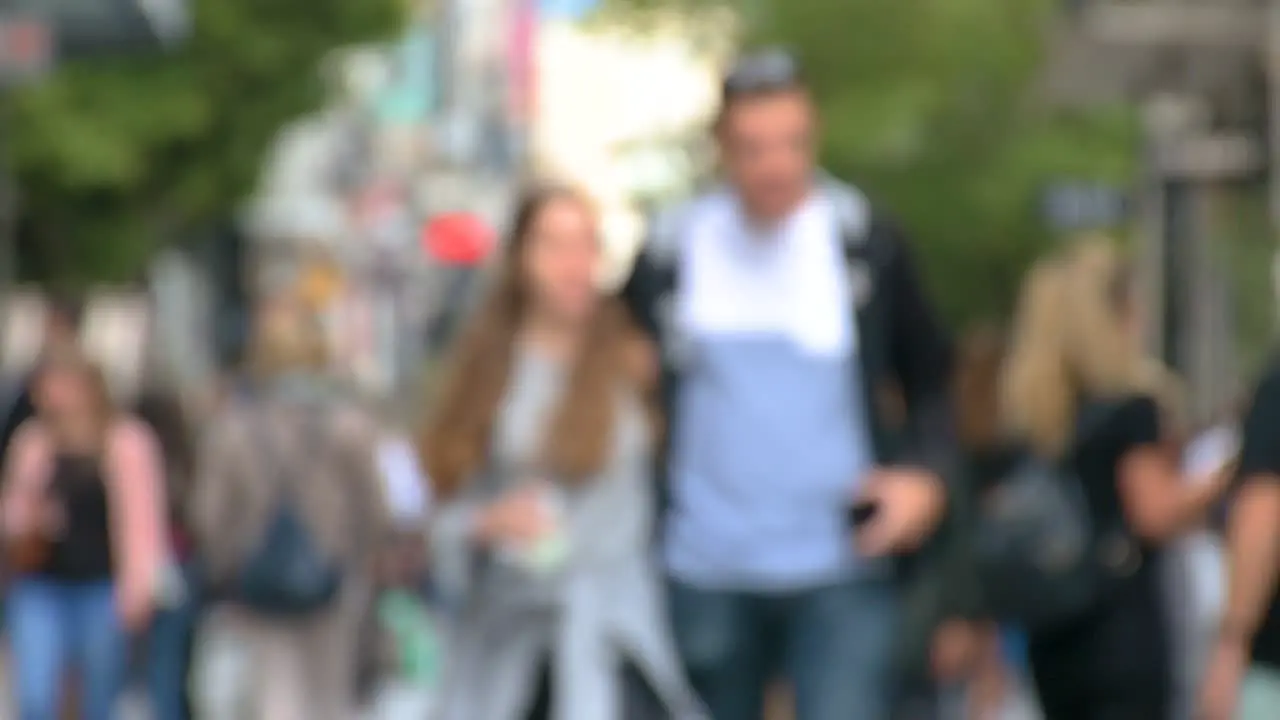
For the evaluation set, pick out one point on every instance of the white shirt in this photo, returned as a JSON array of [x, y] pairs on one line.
[[408, 493]]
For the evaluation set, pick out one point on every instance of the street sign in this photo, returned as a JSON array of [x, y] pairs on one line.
[[1080, 206], [26, 49]]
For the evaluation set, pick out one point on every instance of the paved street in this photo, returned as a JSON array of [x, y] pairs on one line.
[[390, 704], [398, 704]]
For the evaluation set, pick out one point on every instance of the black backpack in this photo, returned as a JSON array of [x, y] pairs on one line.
[[1043, 557], [287, 573]]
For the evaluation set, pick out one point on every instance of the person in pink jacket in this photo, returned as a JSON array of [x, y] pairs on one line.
[[84, 521]]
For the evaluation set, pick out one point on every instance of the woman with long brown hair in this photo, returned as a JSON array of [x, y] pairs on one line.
[[84, 517], [540, 451]]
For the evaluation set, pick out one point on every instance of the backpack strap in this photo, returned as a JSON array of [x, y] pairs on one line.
[[267, 444], [316, 438]]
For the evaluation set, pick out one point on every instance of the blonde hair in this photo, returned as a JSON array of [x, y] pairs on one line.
[[1070, 339], [287, 336]]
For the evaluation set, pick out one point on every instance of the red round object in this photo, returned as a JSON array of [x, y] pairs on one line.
[[458, 238]]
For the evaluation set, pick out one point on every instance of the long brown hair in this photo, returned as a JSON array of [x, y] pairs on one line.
[[977, 387], [68, 359], [456, 442]]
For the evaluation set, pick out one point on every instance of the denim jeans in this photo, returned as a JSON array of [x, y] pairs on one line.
[[55, 626], [834, 644], [931, 703], [169, 652]]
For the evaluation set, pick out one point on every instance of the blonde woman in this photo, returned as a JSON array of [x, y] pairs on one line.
[[84, 521], [291, 450], [1076, 386]]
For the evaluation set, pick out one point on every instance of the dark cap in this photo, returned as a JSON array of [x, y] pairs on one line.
[[760, 73]]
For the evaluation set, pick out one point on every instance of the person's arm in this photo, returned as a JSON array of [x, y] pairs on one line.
[[25, 474], [467, 526], [139, 513], [1158, 501], [456, 547], [921, 361], [921, 357], [1253, 530]]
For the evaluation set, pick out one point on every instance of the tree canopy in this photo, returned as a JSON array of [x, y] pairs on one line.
[[114, 155], [933, 107]]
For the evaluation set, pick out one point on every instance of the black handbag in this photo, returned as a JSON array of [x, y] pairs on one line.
[[1043, 556]]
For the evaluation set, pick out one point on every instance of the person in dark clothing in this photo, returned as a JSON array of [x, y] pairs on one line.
[[1076, 387], [979, 660], [172, 632], [61, 327], [81, 524], [789, 313], [1243, 675]]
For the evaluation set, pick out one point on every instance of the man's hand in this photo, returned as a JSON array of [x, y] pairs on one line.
[[1221, 689], [909, 505]]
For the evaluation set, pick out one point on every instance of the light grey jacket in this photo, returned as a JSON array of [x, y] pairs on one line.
[[603, 608]]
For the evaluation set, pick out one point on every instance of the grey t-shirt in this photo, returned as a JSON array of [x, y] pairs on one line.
[[537, 383]]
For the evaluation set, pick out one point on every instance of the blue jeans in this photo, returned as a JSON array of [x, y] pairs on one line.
[[1013, 645], [834, 643], [55, 626], [169, 650]]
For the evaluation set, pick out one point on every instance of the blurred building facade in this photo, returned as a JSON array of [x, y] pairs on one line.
[[433, 122], [1204, 79], [598, 125]]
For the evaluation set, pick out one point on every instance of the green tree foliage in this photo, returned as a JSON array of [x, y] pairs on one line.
[[115, 155], [933, 106]]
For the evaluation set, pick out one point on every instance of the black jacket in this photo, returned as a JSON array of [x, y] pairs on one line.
[[905, 365]]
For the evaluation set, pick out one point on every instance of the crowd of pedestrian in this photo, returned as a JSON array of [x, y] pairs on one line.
[[844, 504], [759, 480]]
